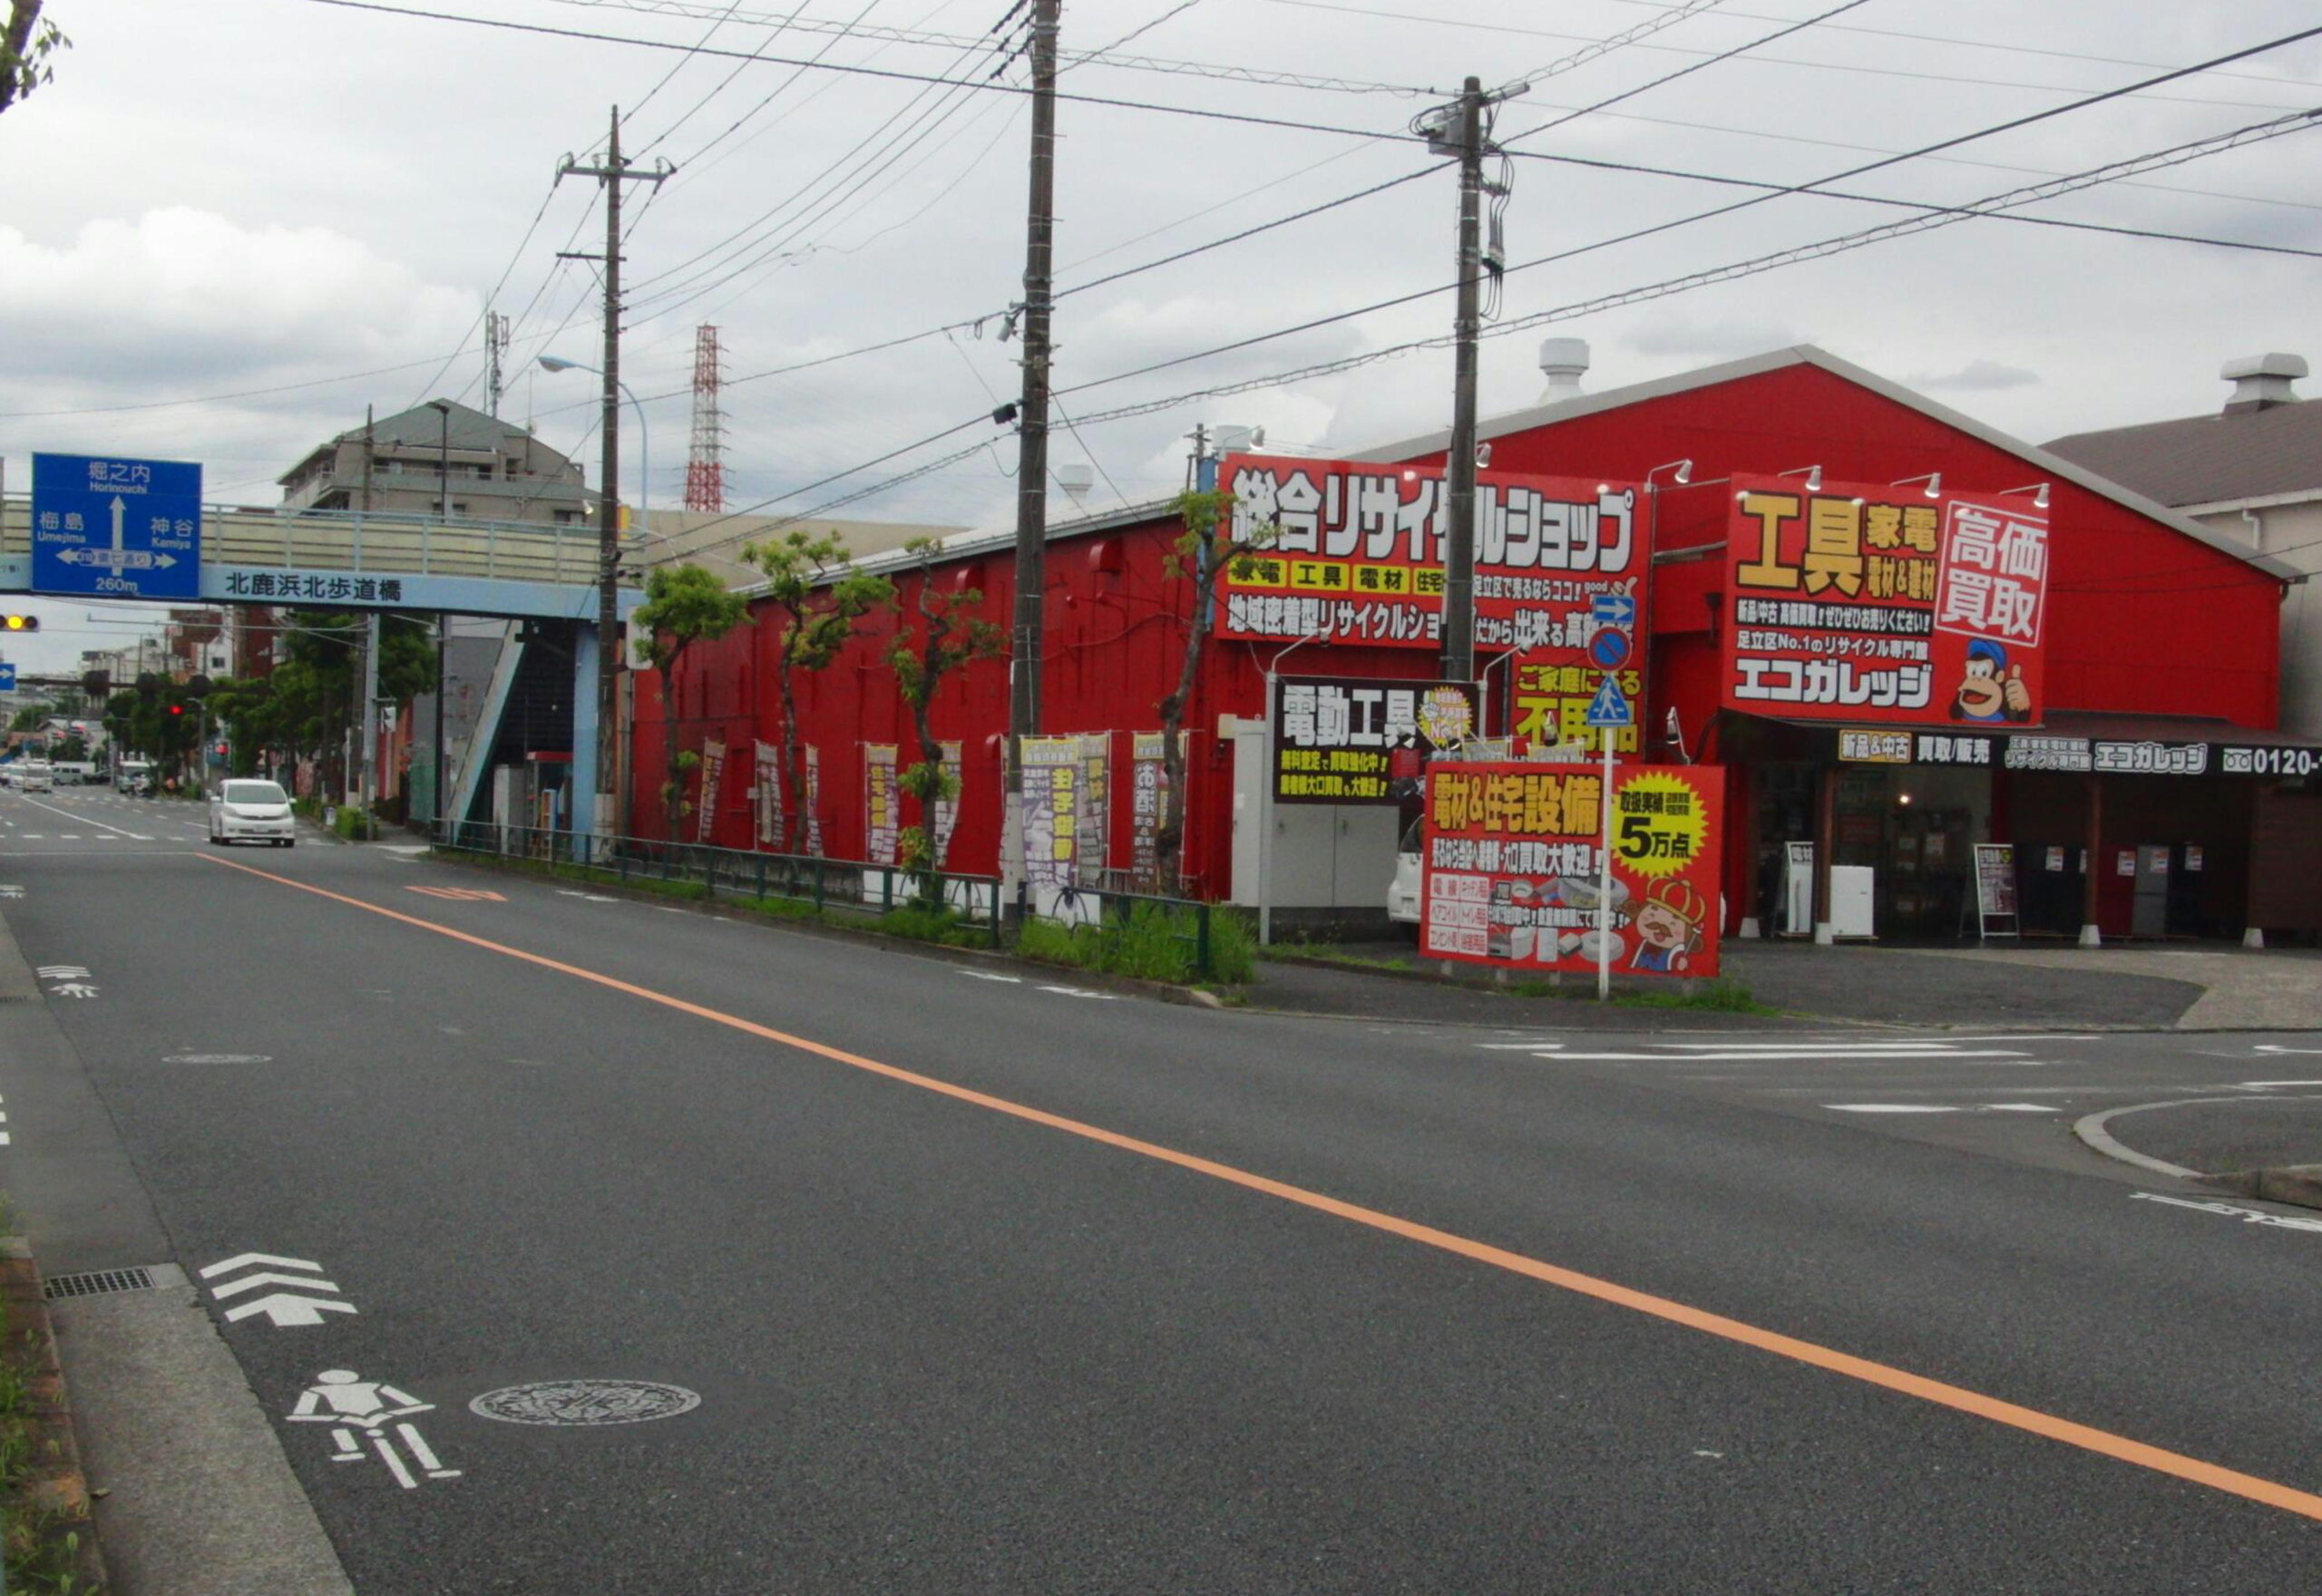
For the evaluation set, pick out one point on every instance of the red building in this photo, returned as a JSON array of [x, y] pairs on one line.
[[2162, 635]]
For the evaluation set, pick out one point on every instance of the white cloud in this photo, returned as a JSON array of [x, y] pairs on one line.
[[1978, 377]]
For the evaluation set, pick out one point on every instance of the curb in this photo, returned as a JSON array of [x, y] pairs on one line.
[[2299, 1185], [863, 936], [59, 1486]]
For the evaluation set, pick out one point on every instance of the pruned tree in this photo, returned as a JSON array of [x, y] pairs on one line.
[[950, 635], [817, 603], [1203, 551], [27, 41], [684, 605]]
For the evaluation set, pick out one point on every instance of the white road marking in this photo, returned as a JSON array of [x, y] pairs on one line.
[[69, 814], [985, 975], [1081, 992], [2021, 1107], [2251, 1216], [1804, 1055], [1889, 1108], [347, 1402]]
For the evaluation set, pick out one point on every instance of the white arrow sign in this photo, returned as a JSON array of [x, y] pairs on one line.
[[286, 1309], [73, 989], [244, 1260], [270, 1277]]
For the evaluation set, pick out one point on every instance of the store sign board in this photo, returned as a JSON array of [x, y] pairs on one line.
[[1511, 861], [1350, 740], [1880, 606]]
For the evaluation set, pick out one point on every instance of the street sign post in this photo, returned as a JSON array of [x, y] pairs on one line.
[[8, 678], [116, 529], [1608, 712]]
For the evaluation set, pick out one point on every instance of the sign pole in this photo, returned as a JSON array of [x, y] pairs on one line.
[[1605, 875], [1266, 816]]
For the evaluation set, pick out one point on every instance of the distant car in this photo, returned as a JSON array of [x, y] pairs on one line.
[[1403, 889], [37, 778], [251, 811]]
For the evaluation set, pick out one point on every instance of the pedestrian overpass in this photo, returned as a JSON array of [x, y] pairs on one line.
[[357, 561]]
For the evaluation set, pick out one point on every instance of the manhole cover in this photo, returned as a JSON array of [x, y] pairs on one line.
[[218, 1058], [585, 1402]]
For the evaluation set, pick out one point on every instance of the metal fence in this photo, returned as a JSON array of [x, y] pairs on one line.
[[977, 902]]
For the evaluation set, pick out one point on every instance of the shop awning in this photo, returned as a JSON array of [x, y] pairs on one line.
[[2089, 742]]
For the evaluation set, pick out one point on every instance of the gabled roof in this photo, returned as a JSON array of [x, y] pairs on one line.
[[2042, 462], [2209, 459]]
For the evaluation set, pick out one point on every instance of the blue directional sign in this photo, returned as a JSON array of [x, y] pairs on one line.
[[8, 678], [1610, 707], [1613, 610], [116, 529]]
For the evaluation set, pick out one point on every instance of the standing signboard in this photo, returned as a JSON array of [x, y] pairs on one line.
[[1095, 828], [116, 529], [1512, 865], [1881, 605], [766, 791], [1996, 891], [1354, 740], [813, 799]]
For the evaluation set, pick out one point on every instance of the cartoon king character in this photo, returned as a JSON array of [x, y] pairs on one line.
[[1991, 689], [1668, 925]]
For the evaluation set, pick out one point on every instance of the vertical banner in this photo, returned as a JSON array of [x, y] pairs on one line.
[[1149, 797], [1095, 829], [947, 810], [766, 779], [1511, 861], [1880, 606], [813, 799], [1052, 816], [713, 772], [881, 822]]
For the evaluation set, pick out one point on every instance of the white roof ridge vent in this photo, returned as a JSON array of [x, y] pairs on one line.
[[1564, 362], [2261, 381]]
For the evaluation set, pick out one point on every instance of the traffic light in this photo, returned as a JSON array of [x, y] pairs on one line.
[[20, 623], [177, 708]]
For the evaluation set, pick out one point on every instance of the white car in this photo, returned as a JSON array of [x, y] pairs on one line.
[[36, 778], [1402, 891], [251, 811]]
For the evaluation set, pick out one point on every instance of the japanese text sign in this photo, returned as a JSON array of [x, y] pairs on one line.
[[1354, 553], [1350, 740], [1883, 606], [119, 528], [1511, 864]]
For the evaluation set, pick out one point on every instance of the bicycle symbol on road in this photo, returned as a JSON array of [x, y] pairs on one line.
[[346, 1401]]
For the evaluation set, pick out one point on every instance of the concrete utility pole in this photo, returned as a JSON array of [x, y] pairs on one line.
[[1460, 467], [1032, 433], [614, 172]]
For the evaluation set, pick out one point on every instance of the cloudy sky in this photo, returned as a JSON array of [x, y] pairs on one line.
[[227, 228]]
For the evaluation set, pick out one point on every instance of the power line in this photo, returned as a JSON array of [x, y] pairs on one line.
[[541, 29]]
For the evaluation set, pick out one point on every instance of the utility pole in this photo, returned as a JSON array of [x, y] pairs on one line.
[[1460, 467], [1032, 432], [612, 174]]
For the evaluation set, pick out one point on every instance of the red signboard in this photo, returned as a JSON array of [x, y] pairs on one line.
[[1882, 605], [1353, 553], [1511, 860]]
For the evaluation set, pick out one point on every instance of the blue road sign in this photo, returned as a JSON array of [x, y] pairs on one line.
[[8, 678], [116, 529], [1613, 610], [1610, 707], [1609, 648]]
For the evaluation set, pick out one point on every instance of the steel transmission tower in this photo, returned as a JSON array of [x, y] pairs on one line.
[[704, 463]]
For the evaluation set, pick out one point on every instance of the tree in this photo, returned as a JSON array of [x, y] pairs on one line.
[[818, 601], [1206, 550], [948, 637], [684, 605], [27, 43]]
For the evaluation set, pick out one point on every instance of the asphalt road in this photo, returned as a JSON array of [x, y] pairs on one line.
[[990, 1282]]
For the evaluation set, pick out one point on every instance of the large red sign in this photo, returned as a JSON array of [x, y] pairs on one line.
[[1511, 858], [1353, 553], [1883, 606]]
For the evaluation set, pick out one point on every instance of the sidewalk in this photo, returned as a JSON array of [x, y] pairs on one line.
[[2062, 989]]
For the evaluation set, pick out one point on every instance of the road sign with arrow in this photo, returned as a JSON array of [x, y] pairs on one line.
[[291, 1305], [116, 529]]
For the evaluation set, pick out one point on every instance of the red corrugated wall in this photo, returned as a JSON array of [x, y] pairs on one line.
[[2141, 617]]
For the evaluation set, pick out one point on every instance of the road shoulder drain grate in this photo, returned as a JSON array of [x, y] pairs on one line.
[[97, 1283]]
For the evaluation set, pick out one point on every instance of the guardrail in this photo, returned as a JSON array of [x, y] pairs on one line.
[[977, 902]]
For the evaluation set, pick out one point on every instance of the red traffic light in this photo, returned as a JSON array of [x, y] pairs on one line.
[[177, 709]]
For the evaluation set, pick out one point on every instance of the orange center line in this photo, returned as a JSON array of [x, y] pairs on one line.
[[1870, 1372]]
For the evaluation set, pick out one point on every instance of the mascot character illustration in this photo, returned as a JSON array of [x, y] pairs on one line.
[[1991, 689], [1668, 925]]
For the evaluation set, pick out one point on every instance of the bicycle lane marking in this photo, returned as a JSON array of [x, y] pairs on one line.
[[1869, 1371]]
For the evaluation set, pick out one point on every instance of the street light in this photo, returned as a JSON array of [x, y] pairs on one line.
[[443, 409], [608, 591]]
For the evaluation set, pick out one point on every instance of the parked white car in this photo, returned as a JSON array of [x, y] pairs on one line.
[[251, 811]]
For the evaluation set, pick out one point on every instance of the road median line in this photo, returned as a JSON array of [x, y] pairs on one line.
[[1938, 1393]]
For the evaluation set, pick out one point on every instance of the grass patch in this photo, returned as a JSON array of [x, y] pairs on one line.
[[923, 922], [1721, 996], [1152, 942], [42, 1546], [1323, 952]]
